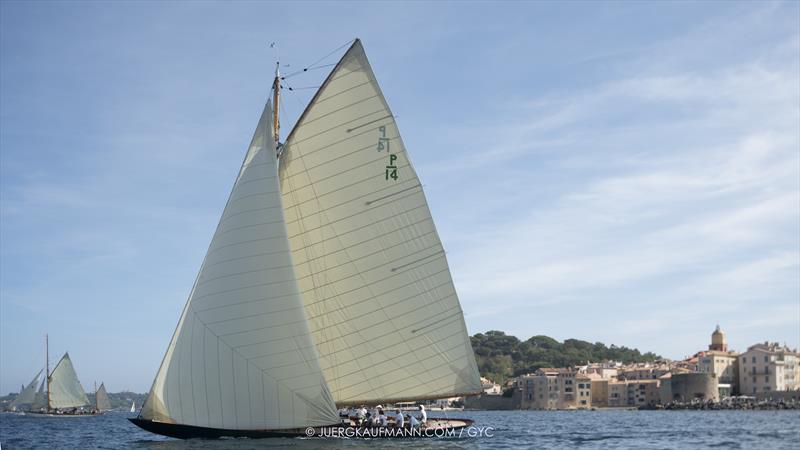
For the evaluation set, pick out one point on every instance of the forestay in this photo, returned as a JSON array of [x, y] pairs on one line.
[[242, 355], [372, 272], [65, 389]]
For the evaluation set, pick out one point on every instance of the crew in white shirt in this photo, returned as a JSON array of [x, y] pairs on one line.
[[423, 416], [382, 420], [399, 420]]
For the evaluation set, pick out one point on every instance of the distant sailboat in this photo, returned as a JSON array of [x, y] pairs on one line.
[[325, 284], [133, 406], [64, 396], [27, 395], [101, 400]]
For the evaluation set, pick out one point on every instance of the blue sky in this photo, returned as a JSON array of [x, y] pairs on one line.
[[624, 172]]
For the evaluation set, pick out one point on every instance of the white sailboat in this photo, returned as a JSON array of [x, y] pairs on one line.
[[133, 406], [60, 394], [27, 395], [325, 284], [101, 401]]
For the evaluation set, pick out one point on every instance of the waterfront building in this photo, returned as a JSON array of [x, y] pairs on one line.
[[617, 393], [600, 392], [490, 387], [768, 367], [551, 388], [724, 363], [583, 391], [689, 386], [642, 392], [539, 390], [606, 370], [643, 372], [566, 388]]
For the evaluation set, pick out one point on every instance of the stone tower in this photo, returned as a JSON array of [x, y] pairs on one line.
[[718, 341]]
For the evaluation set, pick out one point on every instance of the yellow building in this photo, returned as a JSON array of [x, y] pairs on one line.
[[723, 363], [768, 367]]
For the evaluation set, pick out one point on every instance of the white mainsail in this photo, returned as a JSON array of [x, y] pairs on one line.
[[133, 406], [102, 401], [242, 356], [372, 272], [65, 389], [27, 395]]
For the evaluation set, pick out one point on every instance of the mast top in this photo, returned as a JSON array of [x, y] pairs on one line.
[[276, 97]]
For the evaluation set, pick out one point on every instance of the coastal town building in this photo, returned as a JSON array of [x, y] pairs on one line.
[[642, 392], [617, 394], [490, 387], [643, 372], [551, 388], [709, 375], [690, 386], [722, 362], [583, 391], [599, 390], [768, 367]]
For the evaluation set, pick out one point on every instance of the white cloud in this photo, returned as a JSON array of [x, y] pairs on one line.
[[683, 187]]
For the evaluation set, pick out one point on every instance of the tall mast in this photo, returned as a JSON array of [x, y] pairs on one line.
[[47, 365], [276, 89]]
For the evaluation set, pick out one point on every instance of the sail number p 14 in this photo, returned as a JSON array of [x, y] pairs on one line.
[[383, 144]]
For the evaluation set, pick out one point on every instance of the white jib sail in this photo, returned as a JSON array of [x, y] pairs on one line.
[[242, 355], [102, 402], [65, 389], [372, 271], [28, 395], [41, 397]]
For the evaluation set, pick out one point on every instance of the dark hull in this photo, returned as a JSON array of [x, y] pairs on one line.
[[190, 432], [41, 414]]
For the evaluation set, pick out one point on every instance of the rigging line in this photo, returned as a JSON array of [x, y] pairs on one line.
[[300, 88], [299, 102], [312, 65]]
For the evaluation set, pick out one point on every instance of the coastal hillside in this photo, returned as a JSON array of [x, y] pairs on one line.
[[501, 356]]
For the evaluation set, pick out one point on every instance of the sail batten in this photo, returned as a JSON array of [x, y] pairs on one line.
[[233, 362], [372, 272]]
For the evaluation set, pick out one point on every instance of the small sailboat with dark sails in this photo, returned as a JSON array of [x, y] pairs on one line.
[[325, 284]]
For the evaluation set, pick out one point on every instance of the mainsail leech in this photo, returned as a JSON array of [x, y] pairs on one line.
[[371, 268]]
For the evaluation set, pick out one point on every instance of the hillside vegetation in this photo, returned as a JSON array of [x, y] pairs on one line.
[[501, 356]]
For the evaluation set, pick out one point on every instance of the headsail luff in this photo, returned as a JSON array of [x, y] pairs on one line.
[[102, 402], [65, 389], [242, 357], [27, 395], [372, 272]]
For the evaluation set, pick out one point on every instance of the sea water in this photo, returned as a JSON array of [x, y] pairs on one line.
[[493, 429]]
